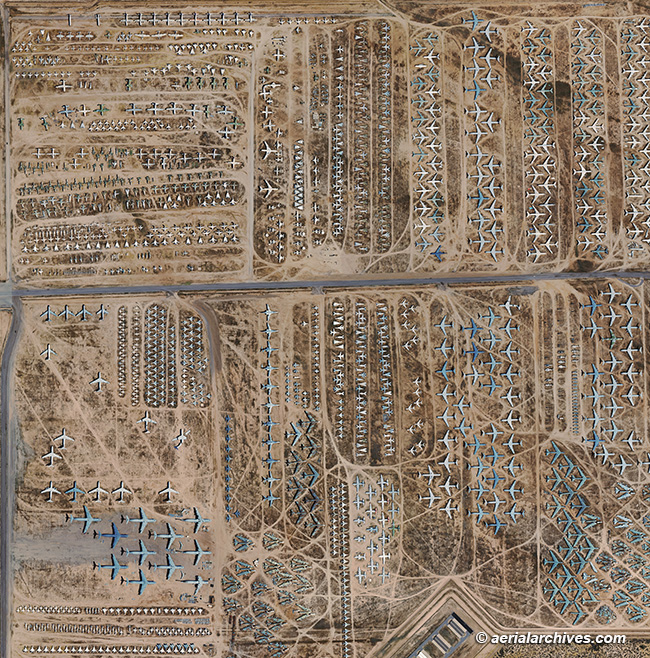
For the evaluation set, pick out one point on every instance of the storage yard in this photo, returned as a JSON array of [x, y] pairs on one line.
[[324, 331]]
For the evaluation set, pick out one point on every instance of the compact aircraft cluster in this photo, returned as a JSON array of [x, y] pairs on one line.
[[327, 330]]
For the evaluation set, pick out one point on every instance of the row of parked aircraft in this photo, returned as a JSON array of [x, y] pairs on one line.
[[142, 521]]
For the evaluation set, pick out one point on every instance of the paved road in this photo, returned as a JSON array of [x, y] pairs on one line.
[[318, 285], [7, 477]]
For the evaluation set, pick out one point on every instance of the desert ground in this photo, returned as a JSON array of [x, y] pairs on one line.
[[327, 328]]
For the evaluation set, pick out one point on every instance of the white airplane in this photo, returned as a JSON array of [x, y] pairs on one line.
[[267, 150], [511, 443], [97, 491], [448, 509], [48, 352], [489, 77], [490, 122], [510, 419], [444, 325], [430, 498], [631, 396], [147, 420], [63, 437], [51, 456], [606, 454], [535, 252], [611, 316], [611, 293], [445, 393], [267, 189], [621, 465], [121, 490], [182, 435], [447, 463], [446, 416], [629, 373], [510, 396], [628, 326], [98, 381], [167, 491], [631, 440], [448, 485], [444, 348], [628, 304], [429, 475], [447, 440], [509, 305], [50, 489]]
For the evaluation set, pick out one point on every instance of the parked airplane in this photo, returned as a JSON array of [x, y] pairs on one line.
[[479, 514], [448, 509], [446, 462], [198, 582], [115, 535], [142, 552], [171, 536], [49, 490], [592, 306], [497, 524], [87, 519], [429, 475], [181, 438], [474, 21], [142, 582], [198, 552], [443, 326], [114, 566], [97, 491], [267, 189], [48, 313], [98, 381], [74, 490], [170, 567], [509, 305], [121, 490], [51, 455], [167, 491], [430, 498], [448, 486], [143, 520], [198, 520], [63, 437], [611, 293], [445, 371]]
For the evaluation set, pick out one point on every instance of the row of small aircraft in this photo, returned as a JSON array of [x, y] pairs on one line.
[[67, 313], [74, 491]]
